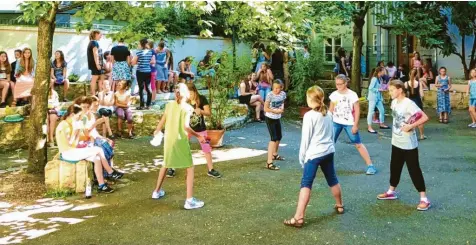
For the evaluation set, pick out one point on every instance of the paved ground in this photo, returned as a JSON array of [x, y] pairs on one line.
[[248, 205]]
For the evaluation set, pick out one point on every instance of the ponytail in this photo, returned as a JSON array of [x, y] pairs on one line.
[[316, 94]]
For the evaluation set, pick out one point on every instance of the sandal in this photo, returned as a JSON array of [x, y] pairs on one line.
[[293, 222], [423, 138], [445, 121], [271, 166], [441, 120], [278, 157], [339, 209]]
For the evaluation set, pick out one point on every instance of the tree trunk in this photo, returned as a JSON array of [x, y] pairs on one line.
[[37, 139], [357, 44]]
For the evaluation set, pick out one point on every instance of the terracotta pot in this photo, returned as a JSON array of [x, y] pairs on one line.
[[303, 110], [216, 137]]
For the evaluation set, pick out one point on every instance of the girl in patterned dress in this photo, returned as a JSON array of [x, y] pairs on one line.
[[443, 84]]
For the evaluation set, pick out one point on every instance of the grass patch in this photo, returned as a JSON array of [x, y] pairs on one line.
[[59, 193]]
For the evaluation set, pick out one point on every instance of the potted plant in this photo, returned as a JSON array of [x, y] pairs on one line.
[[305, 73], [73, 78], [220, 87]]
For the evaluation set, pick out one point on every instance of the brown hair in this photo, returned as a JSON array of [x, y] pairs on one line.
[[79, 100], [94, 99], [30, 61], [93, 33], [72, 109], [316, 95], [414, 75], [474, 69], [398, 85], [193, 89], [8, 68], [377, 70], [61, 58]]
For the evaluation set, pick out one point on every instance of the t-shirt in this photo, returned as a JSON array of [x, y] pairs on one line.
[[402, 111], [276, 101], [144, 56], [58, 71], [91, 62], [63, 131], [344, 107], [391, 71], [197, 122], [120, 53], [317, 138]]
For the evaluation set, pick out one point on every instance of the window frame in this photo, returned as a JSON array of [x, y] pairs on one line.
[[333, 46]]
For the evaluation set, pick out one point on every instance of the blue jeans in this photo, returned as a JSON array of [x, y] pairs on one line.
[[354, 138], [381, 111], [264, 92], [327, 167]]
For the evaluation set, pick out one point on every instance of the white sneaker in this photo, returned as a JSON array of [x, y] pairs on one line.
[[471, 125], [157, 195], [474, 125], [193, 204]]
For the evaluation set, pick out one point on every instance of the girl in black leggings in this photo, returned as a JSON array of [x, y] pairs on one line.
[[144, 59], [406, 117]]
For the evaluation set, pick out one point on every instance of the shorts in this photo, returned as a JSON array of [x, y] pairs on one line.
[[206, 148], [124, 114], [103, 112], [327, 167], [245, 99], [52, 112], [59, 81], [472, 102], [274, 128], [96, 72], [354, 138], [185, 76]]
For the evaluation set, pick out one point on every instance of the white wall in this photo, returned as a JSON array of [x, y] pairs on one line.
[[74, 46]]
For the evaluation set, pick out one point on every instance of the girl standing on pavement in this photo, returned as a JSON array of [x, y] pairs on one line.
[[471, 93], [317, 149], [406, 117], [274, 108], [376, 100], [345, 108], [443, 84], [177, 154], [415, 89]]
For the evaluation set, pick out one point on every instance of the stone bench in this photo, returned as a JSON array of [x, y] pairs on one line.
[[12, 135]]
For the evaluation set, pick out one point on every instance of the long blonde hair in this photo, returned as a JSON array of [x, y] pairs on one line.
[[414, 75], [316, 95], [30, 61]]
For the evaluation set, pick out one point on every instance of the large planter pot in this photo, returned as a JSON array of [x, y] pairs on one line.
[[303, 110], [216, 137]]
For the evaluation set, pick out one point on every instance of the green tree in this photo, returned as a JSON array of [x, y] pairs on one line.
[[430, 23]]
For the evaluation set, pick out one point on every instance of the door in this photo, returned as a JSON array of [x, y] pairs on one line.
[[405, 46]]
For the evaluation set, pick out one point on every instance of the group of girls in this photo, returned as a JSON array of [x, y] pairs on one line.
[[154, 70], [108, 102], [319, 130], [17, 76], [77, 140]]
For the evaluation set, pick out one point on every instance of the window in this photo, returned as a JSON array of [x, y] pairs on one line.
[[374, 49], [331, 45]]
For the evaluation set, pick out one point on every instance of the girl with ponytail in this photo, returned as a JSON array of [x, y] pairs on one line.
[[317, 149]]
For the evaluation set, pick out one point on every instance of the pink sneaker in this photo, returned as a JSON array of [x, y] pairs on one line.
[[423, 206], [376, 121], [386, 196]]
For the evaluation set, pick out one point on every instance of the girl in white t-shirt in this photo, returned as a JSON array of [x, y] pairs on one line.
[[406, 117], [345, 108], [317, 150]]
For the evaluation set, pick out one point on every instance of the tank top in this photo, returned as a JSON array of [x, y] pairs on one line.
[[107, 98], [415, 93], [416, 63], [472, 89], [161, 57], [121, 97], [3, 74], [443, 82]]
